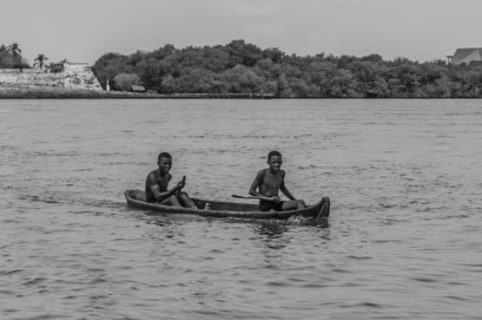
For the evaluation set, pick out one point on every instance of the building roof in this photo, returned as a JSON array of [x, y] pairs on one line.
[[466, 55]]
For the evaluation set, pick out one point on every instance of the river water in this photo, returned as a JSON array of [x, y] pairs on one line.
[[403, 241]]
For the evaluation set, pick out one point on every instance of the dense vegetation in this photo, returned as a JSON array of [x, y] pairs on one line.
[[11, 57], [240, 67]]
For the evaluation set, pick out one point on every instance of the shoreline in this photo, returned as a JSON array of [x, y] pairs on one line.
[[91, 94], [9, 94]]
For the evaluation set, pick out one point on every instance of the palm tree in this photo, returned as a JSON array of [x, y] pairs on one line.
[[41, 61], [15, 51]]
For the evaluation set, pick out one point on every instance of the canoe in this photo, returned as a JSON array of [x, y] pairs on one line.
[[209, 208]]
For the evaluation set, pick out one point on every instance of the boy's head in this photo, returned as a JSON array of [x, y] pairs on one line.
[[164, 161], [272, 154], [274, 160]]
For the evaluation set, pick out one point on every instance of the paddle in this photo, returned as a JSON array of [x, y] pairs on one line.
[[248, 197]]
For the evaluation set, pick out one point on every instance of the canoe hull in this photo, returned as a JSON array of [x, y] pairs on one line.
[[319, 210]]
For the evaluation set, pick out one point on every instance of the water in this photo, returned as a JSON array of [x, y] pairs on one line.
[[403, 242]]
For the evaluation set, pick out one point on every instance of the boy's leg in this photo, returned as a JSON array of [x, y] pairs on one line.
[[174, 201], [186, 201], [269, 206], [301, 204], [293, 204]]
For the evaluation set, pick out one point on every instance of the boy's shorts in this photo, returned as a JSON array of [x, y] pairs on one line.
[[269, 205]]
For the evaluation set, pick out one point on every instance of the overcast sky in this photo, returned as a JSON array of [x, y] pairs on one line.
[[83, 30]]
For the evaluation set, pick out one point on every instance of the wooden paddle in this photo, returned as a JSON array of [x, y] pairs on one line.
[[249, 197]]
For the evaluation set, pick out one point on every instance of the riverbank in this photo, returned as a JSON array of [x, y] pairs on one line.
[[97, 94]]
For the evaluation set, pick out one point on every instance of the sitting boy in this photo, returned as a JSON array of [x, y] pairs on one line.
[[157, 182], [267, 184]]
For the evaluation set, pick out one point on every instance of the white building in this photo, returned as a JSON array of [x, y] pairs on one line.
[[466, 55]]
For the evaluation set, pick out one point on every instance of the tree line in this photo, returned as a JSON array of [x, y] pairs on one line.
[[239, 67], [11, 58]]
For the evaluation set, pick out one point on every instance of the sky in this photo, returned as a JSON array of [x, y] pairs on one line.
[[84, 30]]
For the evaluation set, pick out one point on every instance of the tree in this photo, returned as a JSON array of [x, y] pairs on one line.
[[14, 50], [241, 79], [58, 67], [215, 59], [168, 85], [372, 58], [124, 81], [275, 54], [109, 65], [244, 53], [41, 61], [163, 52], [6, 61], [196, 80], [149, 72], [241, 67]]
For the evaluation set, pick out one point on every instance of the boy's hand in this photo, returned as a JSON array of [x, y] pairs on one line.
[[274, 199], [180, 185]]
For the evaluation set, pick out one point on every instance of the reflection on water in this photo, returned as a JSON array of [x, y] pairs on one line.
[[271, 229], [402, 241], [272, 234]]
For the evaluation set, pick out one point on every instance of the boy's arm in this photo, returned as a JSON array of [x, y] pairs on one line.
[[158, 194], [254, 185], [285, 190], [253, 190]]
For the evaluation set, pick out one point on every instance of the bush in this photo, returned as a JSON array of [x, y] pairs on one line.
[[125, 81]]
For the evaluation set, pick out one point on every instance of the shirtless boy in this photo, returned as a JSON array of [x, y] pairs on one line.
[[157, 182], [267, 184]]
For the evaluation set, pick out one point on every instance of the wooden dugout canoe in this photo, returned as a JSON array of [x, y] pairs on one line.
[[317, 211]]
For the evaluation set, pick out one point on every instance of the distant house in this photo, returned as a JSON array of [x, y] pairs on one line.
[[137, 88], [57, 67], [466, 55]]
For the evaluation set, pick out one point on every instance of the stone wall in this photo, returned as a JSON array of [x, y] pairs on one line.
[[74, 76]]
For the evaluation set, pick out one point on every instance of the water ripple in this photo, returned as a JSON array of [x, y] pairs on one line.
[[402, 242]]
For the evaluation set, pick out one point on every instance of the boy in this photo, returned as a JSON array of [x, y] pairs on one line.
[[157, 182], [267, 184]]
